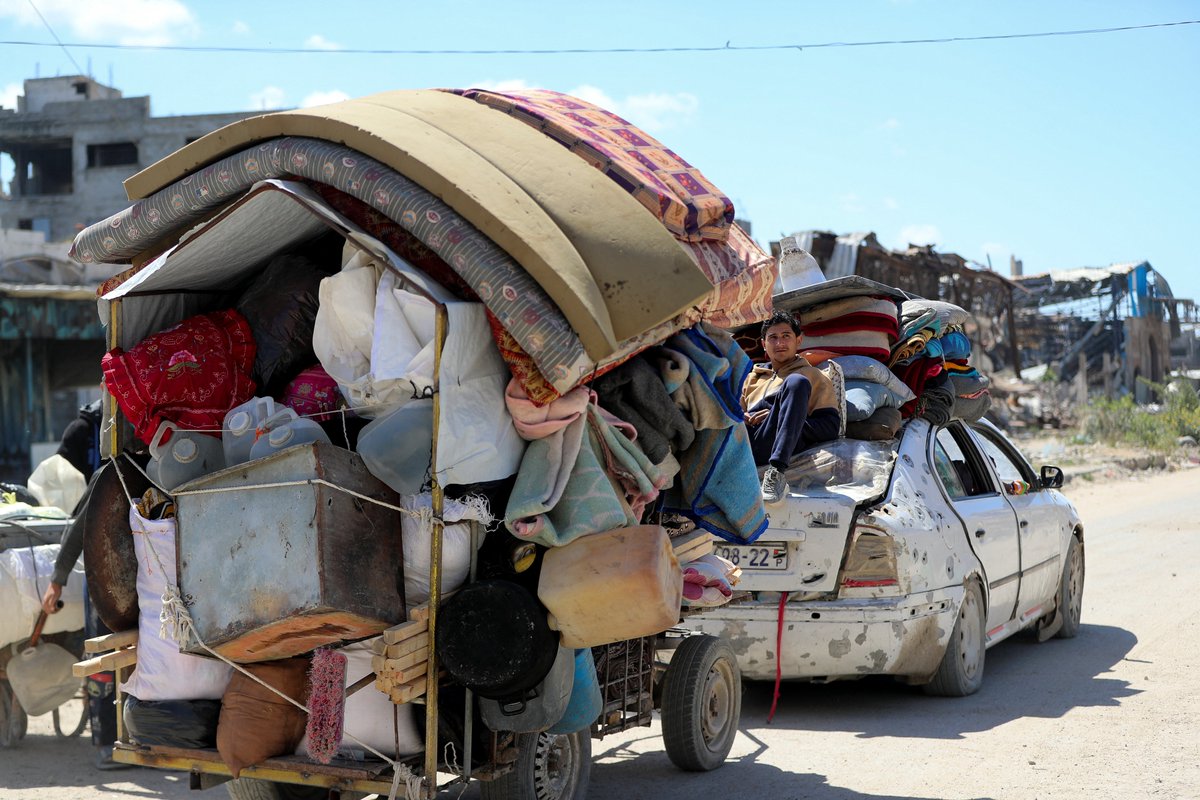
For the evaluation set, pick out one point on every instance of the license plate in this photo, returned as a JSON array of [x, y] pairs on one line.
[[760, 555]]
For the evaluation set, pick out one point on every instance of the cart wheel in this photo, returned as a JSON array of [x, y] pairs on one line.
[[549, 767], [13, 721], [79, 726], [702, 703]]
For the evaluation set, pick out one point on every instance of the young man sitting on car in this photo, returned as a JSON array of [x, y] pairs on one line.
[[790, 404]]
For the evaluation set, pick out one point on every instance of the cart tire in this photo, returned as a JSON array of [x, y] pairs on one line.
[[549, 767], [13, 721], [701, 703]]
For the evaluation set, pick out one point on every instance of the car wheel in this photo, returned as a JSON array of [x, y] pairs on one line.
[[701, 703], [1070, 591], [549, 767], [961, 671]]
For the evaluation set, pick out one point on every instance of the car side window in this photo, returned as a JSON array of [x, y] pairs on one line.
[[966, 479], [1007, 468]]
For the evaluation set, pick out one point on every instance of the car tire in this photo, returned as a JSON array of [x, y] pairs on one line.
[[1070, 591], [549, 767], [960, 672], [701, 703]]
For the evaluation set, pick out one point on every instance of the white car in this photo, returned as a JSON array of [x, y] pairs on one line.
[[908, 558]]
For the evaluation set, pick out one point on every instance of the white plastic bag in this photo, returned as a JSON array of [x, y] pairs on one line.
[[56, 483], [162, 672], [24, 574]]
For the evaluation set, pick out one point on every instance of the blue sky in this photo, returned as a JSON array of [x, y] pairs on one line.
[[1068, 151]]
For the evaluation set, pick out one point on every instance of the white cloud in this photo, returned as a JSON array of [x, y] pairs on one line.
[[654, 111], [9, 94], [920, 234], [268, 98], [319, 42], [240, 28], [128, 22], [890, 124], [324, 98], [890, 203]]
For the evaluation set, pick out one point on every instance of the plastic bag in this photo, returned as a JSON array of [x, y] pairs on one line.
[[24, 574], [56, 483], [281, 307], [172, 723]]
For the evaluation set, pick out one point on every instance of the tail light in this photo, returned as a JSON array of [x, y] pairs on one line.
[[871, 561]]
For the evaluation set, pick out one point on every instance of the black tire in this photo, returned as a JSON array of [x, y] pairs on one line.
[[549, 767], [701, 703], [1070, 591], [960, 672], [13, 721]]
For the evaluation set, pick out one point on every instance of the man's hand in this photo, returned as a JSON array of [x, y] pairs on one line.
[[756, 417], [51, 600]]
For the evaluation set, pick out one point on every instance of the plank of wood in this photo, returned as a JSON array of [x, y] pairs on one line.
[[105, 663], [416, 643], [405, 630], [110, 641], [407, 692], [385, 664], [419, 613], [398, 676]]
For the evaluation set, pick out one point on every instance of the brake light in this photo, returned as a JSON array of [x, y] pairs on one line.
[[871, 561]]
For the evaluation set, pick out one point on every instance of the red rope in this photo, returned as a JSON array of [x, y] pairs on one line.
[[778, 657]]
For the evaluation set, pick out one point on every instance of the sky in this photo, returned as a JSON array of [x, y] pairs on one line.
[[1063, 151]]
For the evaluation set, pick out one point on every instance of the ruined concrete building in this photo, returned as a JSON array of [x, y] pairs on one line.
[[64, 152]]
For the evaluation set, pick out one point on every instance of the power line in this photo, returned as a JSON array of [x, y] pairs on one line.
[[727, 47], [55, 35]]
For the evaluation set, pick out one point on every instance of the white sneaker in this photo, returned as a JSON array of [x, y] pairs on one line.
[[774, 486]]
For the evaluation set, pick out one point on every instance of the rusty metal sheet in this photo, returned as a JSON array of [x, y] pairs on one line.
[[108, 557]]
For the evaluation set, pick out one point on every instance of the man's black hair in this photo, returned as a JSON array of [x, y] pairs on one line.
[[784, 318]]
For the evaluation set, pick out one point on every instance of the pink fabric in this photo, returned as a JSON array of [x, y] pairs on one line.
[[312, 393], [537, 422]]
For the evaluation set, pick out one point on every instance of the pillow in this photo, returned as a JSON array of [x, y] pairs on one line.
[[257, 724], [862, 368]]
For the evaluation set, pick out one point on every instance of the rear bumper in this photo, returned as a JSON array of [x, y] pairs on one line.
[[826, 640]]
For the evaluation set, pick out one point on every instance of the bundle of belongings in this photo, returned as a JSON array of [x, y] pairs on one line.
[[305, 285], [931, 357]]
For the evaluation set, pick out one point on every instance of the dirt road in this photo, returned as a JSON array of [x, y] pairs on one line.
[[1114, 713]]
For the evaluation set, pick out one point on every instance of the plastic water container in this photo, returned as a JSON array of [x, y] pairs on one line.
[[285, 429], [241, 423], [178, 456], [396, 447], [586, 702]]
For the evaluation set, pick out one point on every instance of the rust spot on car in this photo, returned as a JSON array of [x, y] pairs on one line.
[[840, 647]]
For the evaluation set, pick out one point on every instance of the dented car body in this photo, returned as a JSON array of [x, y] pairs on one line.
[[906, 558]]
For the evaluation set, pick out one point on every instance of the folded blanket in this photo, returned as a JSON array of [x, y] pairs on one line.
[[849, 305], [535, 422], [946, 313], [861, 368], [956, 345], [635, 393], [718, 485], [875, 344], [926, 319], [819, 357], [968, 385], [880, 426], [910, 346], [545, 470], [673, 366], [861, 321], [628, 466], [936, 402], [970, 409], [587, 504], [719, 368]]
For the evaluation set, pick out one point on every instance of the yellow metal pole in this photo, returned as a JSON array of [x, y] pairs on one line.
[[429, 780], [114, 340]]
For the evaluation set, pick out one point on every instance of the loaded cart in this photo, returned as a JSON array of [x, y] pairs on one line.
[[442, 425]]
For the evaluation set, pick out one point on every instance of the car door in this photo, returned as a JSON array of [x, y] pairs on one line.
[[1039, 522], [989, 519]]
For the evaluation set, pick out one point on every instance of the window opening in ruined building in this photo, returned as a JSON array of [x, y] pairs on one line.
[[112, 155], [24, 224], [81, 87], [44, 169], [8, 169]]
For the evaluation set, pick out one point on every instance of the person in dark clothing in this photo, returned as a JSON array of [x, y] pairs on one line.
[[789, 404], [81, 447]]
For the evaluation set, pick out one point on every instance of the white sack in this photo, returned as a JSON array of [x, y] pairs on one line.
[[368, 714], [24, 574], [416, 532], [56, 483], [162, 672]]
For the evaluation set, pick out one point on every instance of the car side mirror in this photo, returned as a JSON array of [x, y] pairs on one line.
[[1052, 477]]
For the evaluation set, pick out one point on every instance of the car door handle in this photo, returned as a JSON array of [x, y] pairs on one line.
[[1024, 523], [979, 533]]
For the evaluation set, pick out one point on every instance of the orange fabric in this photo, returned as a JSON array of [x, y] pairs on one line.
[[257, 724]]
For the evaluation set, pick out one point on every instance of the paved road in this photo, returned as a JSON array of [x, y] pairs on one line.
[[1114, 713]]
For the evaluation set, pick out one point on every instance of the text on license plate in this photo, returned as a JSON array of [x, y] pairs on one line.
[[760, 555]]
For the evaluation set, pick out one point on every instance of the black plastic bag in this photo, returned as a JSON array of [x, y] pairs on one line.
[[281, 307], [172, 723]]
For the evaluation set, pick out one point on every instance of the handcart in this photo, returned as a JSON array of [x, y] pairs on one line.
[[29, 531], [399, 188]]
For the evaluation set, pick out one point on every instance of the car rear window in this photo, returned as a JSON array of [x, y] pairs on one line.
[[852, 468]]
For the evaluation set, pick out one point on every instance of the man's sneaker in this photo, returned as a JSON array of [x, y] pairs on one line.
[[774, 486], [104, 759]]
